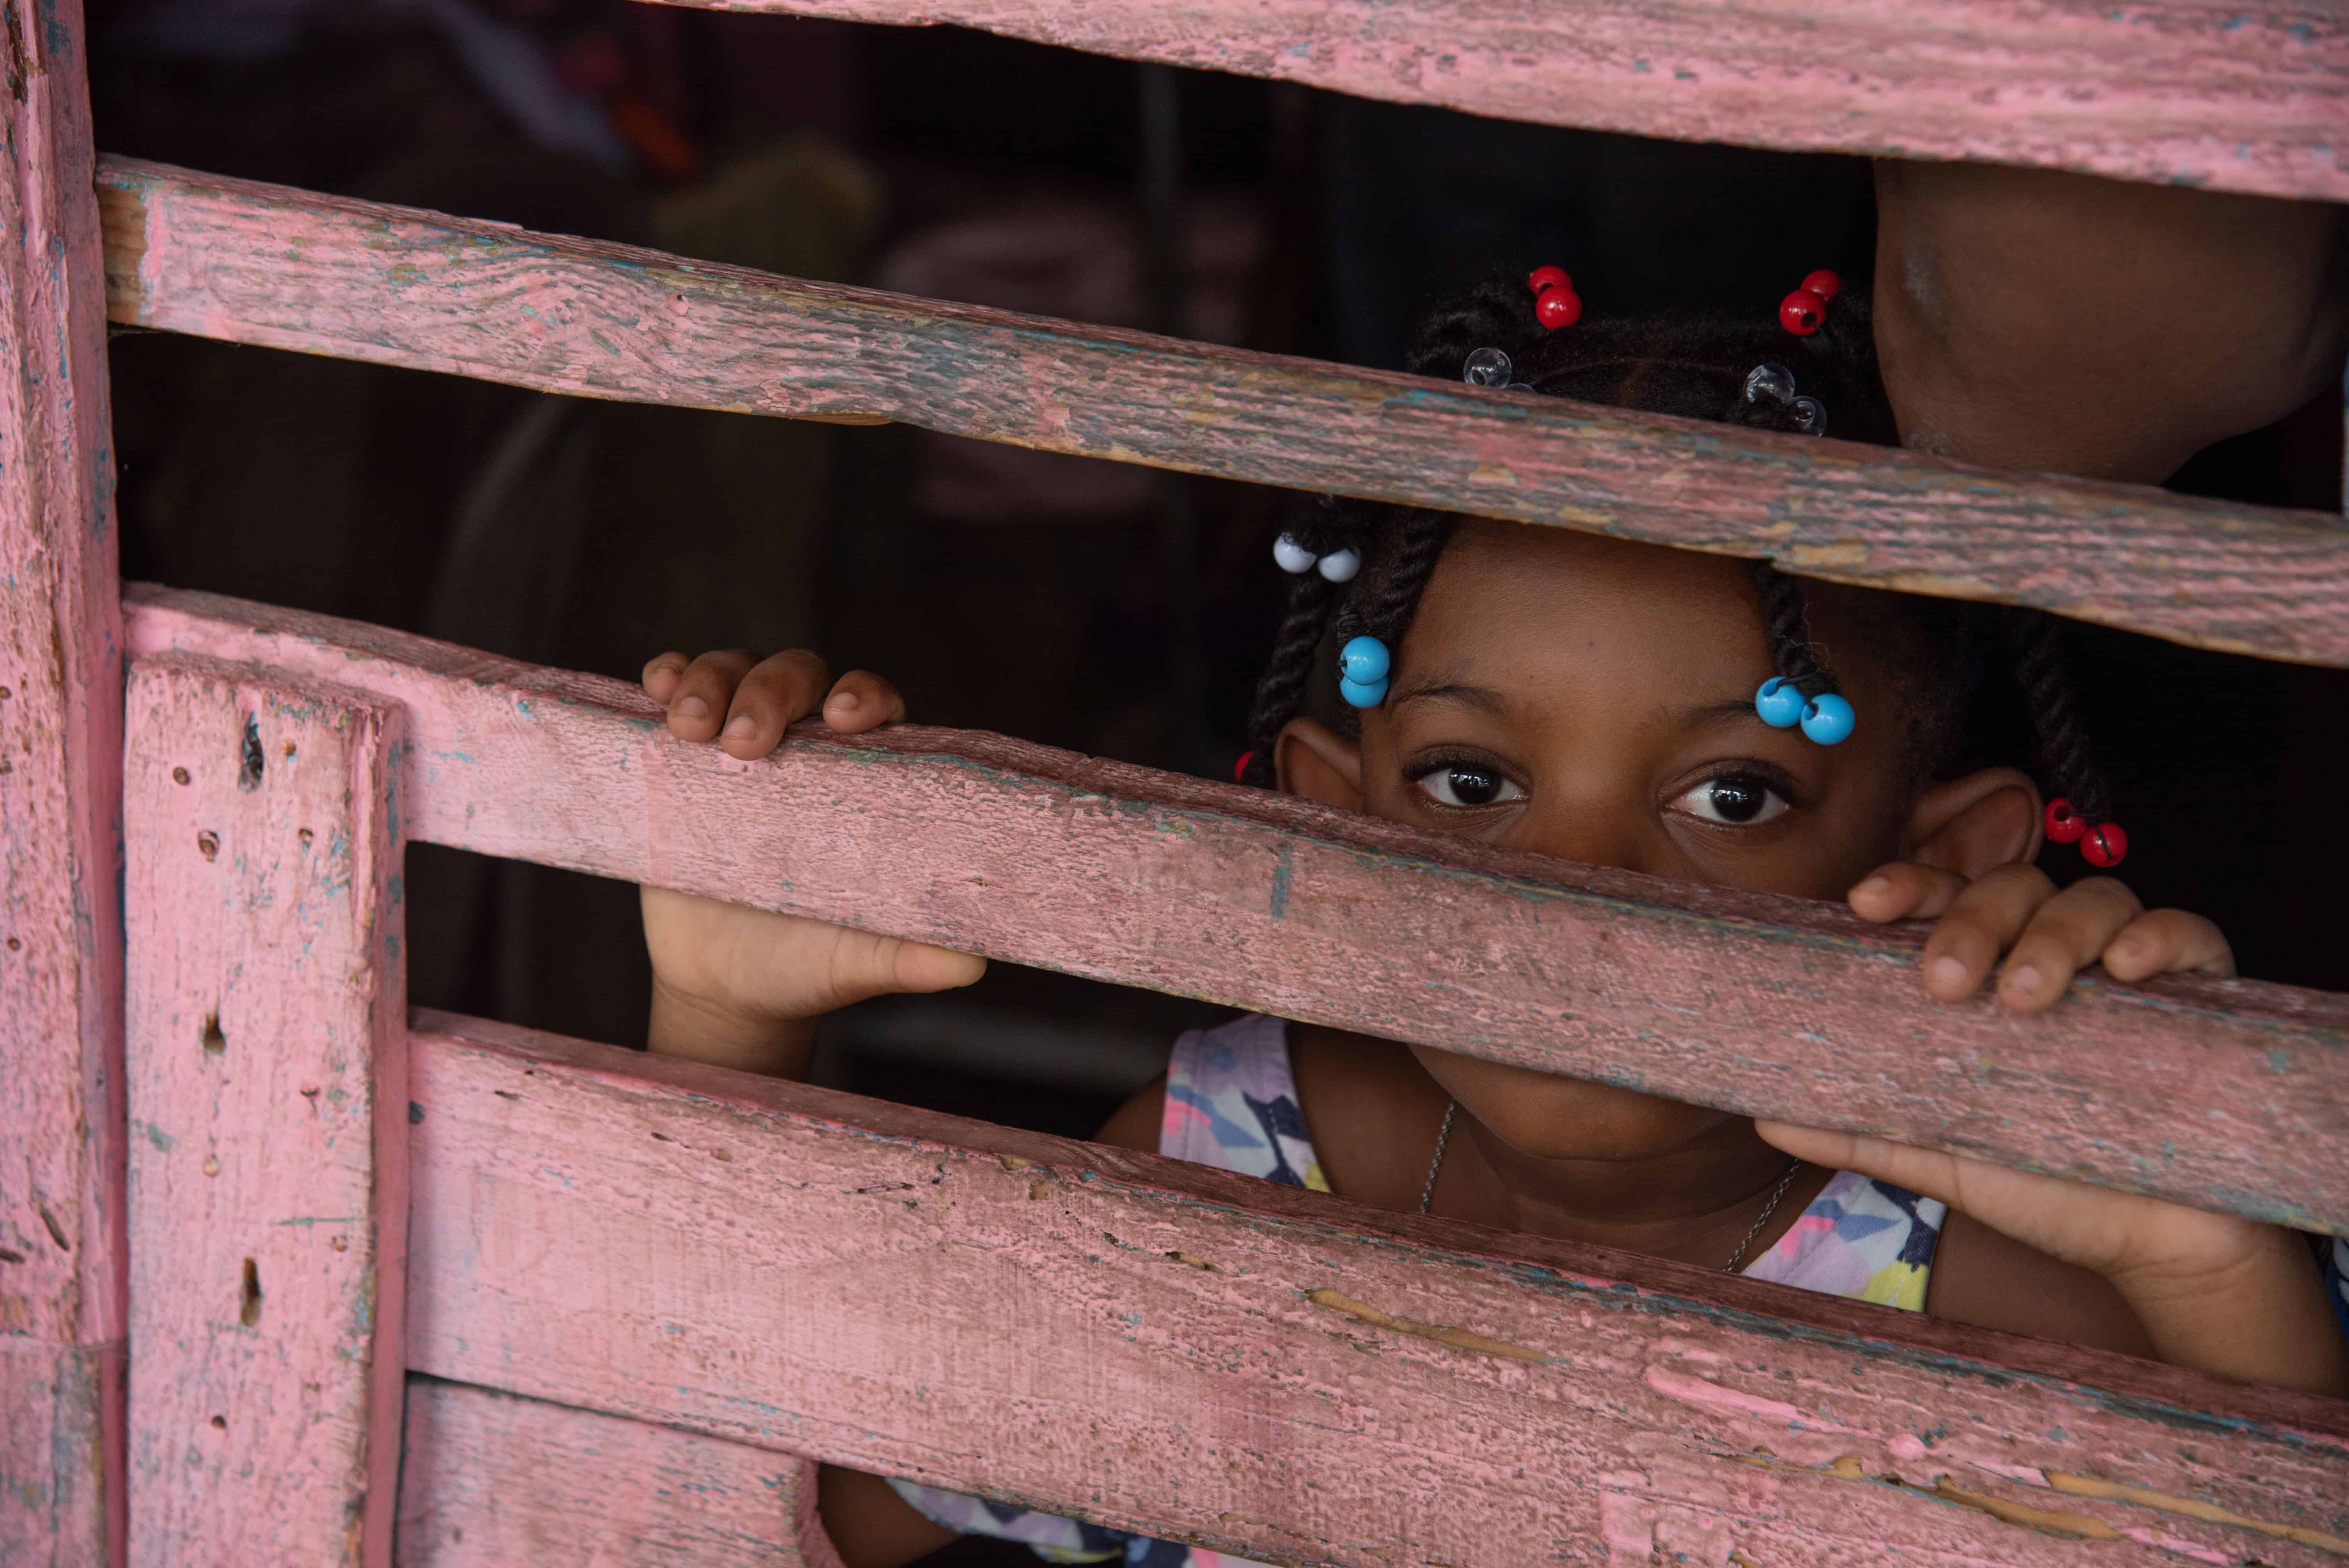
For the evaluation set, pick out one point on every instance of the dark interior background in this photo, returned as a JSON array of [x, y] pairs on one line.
[[1089, 605]]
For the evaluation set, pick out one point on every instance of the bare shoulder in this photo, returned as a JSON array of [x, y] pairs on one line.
[[1136, 1124], [1989, 1280]]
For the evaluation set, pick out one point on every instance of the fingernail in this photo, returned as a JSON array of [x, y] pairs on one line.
[[692, 708], [741, 725], [1873, 885], [2024, 979], [843, 702], [1949, 971]]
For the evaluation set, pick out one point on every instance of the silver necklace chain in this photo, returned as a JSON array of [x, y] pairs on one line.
[[1443, 1141], [1767, 1210]]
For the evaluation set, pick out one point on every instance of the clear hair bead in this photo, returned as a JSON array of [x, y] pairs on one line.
[[1292, 557], [1769, 383], [1487, 368], [1810, 416], [1339, 565]]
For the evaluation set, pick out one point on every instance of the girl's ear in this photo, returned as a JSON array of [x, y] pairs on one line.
[[1313, 760], [1974, 824]]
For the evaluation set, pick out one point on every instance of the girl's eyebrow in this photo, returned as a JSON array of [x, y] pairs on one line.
[[1483, 698], [1704, 715]]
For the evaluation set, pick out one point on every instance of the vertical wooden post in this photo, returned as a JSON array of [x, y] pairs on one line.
[[61, 1238], [268, 1105]]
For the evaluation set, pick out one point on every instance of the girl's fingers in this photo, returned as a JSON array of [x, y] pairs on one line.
[[661, 674], [2063, 936], [702, 694], [1981, 921], [1905, 891], [1926, 1171], [772, 696], [860, 701], [2168, 941]]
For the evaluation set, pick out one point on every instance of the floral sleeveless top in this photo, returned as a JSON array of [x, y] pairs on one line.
[[1231, 1102]]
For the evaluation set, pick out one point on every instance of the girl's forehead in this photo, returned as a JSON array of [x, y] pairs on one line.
[[1557, 580]]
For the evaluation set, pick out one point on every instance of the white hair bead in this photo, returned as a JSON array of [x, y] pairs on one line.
[[1339, 565], [1292, 557]]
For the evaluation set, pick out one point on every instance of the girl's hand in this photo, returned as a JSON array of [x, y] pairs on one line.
[[743, 987], [744, 702], [2215, 1292], [2047, 936]]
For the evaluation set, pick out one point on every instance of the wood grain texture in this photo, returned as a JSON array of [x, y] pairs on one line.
[[1176, 1349], [2230, 98], [61, 1237], [2231, 1094], [495, 1481], [269, 1108], [264, 265]]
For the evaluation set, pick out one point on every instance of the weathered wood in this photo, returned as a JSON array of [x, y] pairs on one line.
[[2231, 1094], [1166, 1347], [61, 1235], [2229, 97], [264, 265], [496, 1480], [268, 1098]]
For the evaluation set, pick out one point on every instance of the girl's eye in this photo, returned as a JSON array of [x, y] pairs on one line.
[[1735, 800], [1467, 784]]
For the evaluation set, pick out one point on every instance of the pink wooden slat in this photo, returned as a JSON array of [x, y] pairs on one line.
[[1274, 1372], [2231, 1094], [61, 1237], [269, 1111], [496, 1480], [264, 265], [2233, 97]]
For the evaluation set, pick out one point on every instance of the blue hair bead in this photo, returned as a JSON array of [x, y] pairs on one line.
[[1361, 695], [1828, 719], [1778, 703], [1364, 661]]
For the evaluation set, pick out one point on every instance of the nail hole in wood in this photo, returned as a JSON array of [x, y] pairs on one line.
[[5, 694], [178, 776], [6, 765], [248, 758], [214, 1041], [340, 1244], [248, 1305], [219, 1423], [289, 748], [305, 836], [56, 1232], [208, 843], [14, 944], [11, 1256]]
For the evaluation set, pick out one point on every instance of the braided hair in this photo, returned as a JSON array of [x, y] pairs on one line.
[[1709, 367]]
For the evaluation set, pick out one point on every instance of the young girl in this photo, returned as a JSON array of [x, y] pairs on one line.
[[1677, 714]]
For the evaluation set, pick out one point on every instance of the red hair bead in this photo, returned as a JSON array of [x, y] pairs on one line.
[[2103, 845], [1545, 278], [1824, 284], [1801, 312], [2064, 825], [1239, 768], [1557, 306]]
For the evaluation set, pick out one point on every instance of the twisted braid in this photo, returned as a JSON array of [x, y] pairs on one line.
[[2044, 674], [1280, 690], [1408, 561], [1785, 622]]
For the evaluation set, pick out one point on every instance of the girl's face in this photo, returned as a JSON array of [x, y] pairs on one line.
[[1591, 699]]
